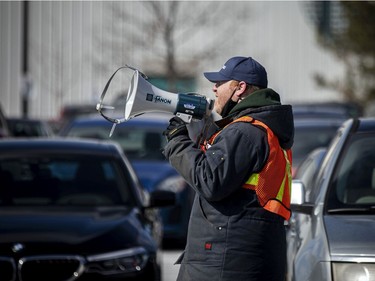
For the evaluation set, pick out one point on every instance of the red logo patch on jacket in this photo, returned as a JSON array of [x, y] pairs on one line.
[[208, 246]]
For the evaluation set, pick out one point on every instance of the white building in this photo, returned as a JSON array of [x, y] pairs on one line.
[[66, 40]]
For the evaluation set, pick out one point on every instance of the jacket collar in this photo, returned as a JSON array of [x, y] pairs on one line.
[[263, 97]]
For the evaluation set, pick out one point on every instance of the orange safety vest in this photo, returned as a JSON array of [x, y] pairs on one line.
[[272, 184]]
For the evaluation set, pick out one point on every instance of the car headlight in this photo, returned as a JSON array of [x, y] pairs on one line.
[[175, 183], [124, 261], [353, 271]]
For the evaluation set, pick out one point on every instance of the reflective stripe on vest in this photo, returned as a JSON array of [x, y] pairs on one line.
[[273, 183]]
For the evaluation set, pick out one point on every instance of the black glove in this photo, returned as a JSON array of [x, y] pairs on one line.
[[175, 128]]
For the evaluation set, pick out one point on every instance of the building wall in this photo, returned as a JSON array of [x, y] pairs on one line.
[[10, 56], [71, 56]]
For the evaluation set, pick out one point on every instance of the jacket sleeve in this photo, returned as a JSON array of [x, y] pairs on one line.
[[238, 151]]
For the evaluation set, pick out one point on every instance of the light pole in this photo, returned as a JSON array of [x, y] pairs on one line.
[[26, 87]]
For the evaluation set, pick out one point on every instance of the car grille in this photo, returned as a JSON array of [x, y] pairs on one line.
[[42, 268], [7, 269]]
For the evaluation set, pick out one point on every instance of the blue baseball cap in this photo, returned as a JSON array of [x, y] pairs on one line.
[[241, 69]]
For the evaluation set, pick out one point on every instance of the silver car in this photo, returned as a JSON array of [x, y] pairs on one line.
[[331, 235]]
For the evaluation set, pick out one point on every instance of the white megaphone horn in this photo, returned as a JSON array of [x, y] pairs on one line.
[[144, 97]]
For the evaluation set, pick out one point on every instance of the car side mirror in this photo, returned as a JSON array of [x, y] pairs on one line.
[[298, 192], [162, 198], [297, 199]]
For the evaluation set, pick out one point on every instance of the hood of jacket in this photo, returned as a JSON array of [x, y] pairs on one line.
[[265, 106]]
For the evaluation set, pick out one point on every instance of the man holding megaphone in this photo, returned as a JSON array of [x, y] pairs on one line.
[[241, 173]]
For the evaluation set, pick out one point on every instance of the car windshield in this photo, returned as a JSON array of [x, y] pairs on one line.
[[137, 142], [353, 185], [62, 180]]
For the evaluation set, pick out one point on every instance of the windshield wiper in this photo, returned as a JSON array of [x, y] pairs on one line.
[[351, 210]]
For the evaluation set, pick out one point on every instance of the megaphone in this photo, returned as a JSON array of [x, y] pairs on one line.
[[144, 97]]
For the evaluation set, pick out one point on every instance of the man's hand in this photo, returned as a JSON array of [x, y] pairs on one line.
[[175, 128]]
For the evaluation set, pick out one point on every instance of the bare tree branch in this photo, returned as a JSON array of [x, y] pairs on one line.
[[168, 27]]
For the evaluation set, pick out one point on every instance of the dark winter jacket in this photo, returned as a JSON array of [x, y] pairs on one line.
[[230, 236]]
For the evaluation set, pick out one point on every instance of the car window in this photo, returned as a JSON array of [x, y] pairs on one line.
[[307, 139], [354, 179], [319, 178], [62, 180], [309, 168], [28, 128], [137, 142]]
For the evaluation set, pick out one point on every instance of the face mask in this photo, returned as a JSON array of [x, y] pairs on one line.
[[228, 106]]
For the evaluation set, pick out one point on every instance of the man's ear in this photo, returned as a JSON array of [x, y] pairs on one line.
[[241, 88]]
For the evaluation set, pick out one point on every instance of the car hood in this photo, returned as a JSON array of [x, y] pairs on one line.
[[151, 173], [71, 231], [351, 235]]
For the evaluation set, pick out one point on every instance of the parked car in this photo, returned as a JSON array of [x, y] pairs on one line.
[[337, 110], [306, 173], [334, 228], [68, 113], [311, 133], [141, 139], [309, 167], [75, 210], [24, 127]]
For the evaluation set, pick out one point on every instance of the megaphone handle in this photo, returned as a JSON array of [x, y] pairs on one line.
[[185, 117]]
